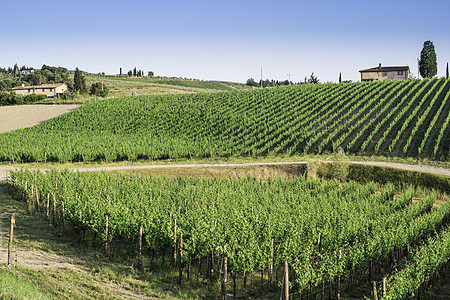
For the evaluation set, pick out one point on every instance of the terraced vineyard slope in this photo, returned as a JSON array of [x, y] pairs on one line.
[[399, 118]]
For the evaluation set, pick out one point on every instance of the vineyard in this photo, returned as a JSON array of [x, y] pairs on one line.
[[390, 118], [327, 235]]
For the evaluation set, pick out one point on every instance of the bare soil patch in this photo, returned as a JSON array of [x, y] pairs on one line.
[[22, 116]]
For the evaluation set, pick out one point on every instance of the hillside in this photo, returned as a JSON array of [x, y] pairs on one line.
[[126, 86], [394, 119]]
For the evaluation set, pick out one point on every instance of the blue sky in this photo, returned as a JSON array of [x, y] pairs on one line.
[[224, 40]]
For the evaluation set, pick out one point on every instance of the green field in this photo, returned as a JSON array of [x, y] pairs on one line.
[[408, 119]]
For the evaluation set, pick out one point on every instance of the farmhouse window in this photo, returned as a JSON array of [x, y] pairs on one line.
[[384, 73], [400, 73]]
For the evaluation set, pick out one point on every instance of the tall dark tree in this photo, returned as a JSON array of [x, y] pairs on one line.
[[446, 72], [428, 60], [79, 83], [313, 79], [340, 78], [120, 71], [16, 70]]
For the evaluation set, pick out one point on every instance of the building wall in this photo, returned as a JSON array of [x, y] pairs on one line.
[[49, 92], [61, 89], [22, 92], [376, 76]]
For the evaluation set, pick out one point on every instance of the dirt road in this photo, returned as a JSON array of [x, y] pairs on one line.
[[21, 116], [4, 170]]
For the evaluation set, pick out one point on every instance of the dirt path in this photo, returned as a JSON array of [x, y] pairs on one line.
[[418, 168], [5, 169], [21, 116]]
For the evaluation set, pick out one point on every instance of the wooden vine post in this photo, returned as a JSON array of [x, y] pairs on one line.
[[318, 243], [180, 279], [24, 194], [339, 278], [323, 289], [384, 287], [286, 280], [54, 210], [48, 206], [271, 266], [11, 235], [174, 258], [37, 201], [225, 273], [29, 200], [106, 236], [234, 286], [374, 286], [140, 249], [63, 216]]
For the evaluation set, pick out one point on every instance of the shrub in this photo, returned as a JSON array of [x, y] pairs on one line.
[[10, 98], [98, 89], [33, 98]]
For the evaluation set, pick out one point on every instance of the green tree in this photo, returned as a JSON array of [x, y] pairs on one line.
[[428, 61], [16, 70], [251, 82], [446, 72], [151, 74], [340, 77], [313, 79], [79, 83], [120, 71], [98, 89]]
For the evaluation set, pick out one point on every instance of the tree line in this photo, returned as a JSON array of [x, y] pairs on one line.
[[272, 83], [15, 76], [136, 73]]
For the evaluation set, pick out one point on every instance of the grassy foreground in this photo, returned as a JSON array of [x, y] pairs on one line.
[[14, 285]]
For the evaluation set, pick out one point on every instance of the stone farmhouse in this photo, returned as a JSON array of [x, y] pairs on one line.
[[50, 90], [385, 73]]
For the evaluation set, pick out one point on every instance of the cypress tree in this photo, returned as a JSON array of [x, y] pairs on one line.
[[428, 60], [16, 70], [79, 84], [340, 78], [446, 72]]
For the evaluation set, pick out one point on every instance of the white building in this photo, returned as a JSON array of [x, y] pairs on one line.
[[50, 90], [385, 73]]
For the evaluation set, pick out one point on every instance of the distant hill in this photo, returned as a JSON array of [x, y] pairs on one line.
[[126, 86]]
